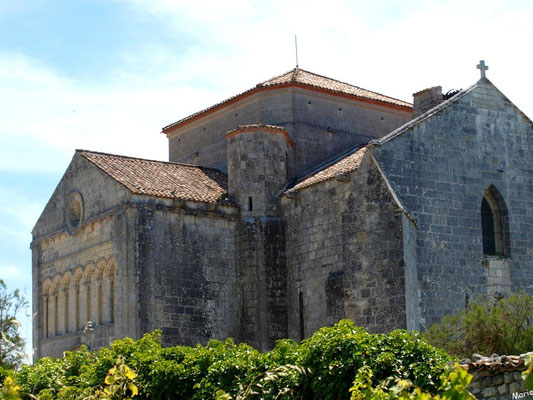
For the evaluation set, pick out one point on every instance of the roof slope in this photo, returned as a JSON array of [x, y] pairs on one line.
[[161, 179], [318, 81], [301, 78], [347, 164]]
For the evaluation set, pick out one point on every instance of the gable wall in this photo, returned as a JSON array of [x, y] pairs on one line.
[[65, 264], [441, 169], [100, 194]]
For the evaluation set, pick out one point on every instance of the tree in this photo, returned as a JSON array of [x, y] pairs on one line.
[[484, 327], [11, 343]]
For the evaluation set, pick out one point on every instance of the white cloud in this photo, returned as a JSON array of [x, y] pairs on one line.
[[392, 47], [18, 213], [14, 274]]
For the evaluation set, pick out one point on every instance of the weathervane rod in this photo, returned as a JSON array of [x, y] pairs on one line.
[[296, 49]]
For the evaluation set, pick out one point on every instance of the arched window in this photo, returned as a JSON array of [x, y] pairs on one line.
[[494, 223]]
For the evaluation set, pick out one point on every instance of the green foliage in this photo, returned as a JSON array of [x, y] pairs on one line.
[[527, 375], [9, 390], [119, 383], [4, 373], [454, 383], [339, 362], [485, 328], [336, 354], [11, 343]]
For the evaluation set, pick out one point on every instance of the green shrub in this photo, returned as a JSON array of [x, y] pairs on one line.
[[505, 327], [325, 366]]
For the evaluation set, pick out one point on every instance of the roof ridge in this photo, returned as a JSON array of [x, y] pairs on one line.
[[295, 72], [260, 84], [146, 159]]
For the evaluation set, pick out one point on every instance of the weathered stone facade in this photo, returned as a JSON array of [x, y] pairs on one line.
[[441, 167], [309, 200]]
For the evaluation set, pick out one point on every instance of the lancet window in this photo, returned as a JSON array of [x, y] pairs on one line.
[[494, 223]]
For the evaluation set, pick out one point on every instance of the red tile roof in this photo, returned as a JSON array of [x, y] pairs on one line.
[[318, 81], [345, 165], [260, 127], [495, 363], [301, 78], [161, 179]]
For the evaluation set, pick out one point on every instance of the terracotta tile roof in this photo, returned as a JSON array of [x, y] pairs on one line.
[[260, 127], [318, 81], [161, 179], [251, 127], [495, 363], [302, 78], [347, 164]]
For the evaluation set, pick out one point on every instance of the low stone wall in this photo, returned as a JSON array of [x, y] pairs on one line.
[[497, 377]]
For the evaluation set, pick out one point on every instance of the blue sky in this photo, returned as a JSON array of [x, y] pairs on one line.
[[108, 74]]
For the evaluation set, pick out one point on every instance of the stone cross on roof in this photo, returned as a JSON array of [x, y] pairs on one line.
[[482, 67]]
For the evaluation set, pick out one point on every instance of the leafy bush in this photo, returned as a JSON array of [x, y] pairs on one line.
[[329, 365], [505, 327]]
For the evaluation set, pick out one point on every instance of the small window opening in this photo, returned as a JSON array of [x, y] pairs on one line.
[[74, 212], [487, 225], [493, 220], [250, 204]]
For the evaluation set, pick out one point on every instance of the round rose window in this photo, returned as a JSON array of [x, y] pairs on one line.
[[73, 212]]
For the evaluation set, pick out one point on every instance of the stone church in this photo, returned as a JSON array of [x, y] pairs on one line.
[[285, 208]]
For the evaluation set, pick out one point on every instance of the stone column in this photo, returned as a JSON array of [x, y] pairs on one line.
[[45, 315], [61, 304], [99, 301]]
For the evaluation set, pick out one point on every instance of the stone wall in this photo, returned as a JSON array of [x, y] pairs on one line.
[[373, 254], [129, 264], [441, 168], [75, 266], [257, 160], [262, 281], [320, 124], [314, 254], [344, 254], [497, 377], [187, 271]]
